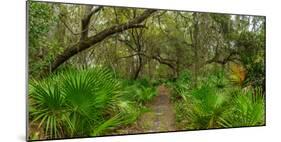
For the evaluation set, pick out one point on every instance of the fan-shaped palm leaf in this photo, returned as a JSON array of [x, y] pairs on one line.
[[248, 110], [48, 106], [206, 107]]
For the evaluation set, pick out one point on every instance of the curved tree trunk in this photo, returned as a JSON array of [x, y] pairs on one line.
[[86, 42]]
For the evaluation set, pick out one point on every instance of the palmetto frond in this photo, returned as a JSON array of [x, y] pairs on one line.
[[77, 100], [48, 106], [248, 110], [206, 107]]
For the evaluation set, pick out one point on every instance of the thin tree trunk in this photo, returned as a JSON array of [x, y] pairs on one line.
[[140, 64], [195, 48]]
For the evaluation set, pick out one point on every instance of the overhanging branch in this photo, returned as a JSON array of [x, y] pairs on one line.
[[89, 41], [158, 58], [230, 57]]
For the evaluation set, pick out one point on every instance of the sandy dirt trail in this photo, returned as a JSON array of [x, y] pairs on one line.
[[160, 118]]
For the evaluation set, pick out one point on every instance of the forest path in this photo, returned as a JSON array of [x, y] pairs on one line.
[[162, 116], [159, 118]]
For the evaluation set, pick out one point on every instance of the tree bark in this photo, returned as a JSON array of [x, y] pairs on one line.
[[196, 46], [87, 42], [140, 64], [85, 23]]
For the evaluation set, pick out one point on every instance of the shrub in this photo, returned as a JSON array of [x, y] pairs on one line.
[[80, 102], [210, 107], [248, 109], [214, 104], [181, 86], [217, 79], [206, 107], [139, 93]]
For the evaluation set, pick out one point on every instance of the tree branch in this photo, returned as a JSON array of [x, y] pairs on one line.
[[157, 58], [86, 22], [163, 61], [225, 60], [127, 42], [129, 56], [89, 41], [66, 25]]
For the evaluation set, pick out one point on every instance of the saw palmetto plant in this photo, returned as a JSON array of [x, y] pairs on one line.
[[75, 103], [247, 110]]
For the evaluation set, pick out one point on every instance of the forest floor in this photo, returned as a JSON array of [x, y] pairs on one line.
[[159, 118]]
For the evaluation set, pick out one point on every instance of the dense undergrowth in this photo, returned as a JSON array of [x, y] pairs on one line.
[[218, 101], [93, 102], [89, 102]]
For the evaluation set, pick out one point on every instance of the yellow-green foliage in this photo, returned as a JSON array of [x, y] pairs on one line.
[[237, 73]]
